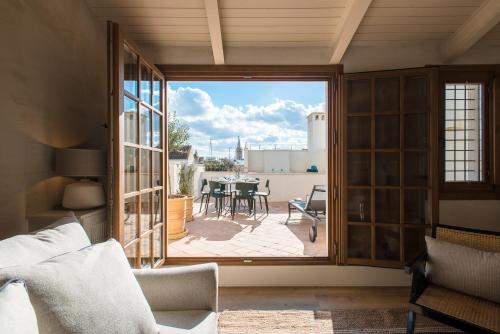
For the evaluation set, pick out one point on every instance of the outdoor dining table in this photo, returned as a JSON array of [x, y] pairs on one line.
[[230, 180]]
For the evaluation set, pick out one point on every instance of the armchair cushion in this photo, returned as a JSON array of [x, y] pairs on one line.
[[464, 269], [183, 288], [85, 292]]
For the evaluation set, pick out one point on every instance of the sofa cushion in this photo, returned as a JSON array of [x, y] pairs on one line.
[[183, 322], [88, 291], [16, 312], [67, 235], [464, 269]]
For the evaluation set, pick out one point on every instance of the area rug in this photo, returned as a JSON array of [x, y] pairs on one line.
[[324, 322]]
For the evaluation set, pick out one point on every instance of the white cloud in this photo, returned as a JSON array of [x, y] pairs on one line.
[[282, 123]]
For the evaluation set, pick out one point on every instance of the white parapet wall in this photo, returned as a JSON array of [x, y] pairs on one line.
[[284, 161], [284, 186]]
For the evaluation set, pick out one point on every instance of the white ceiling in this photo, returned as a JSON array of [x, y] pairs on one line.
[[453, 26]]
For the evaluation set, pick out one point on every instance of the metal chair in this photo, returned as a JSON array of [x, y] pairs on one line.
[[217, 191], [203, 192], [264, 194], [243, 191]]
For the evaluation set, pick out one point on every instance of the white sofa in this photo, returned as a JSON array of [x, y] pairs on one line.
[[183, 299]]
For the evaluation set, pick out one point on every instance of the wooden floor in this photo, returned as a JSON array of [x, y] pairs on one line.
[[279, 298]]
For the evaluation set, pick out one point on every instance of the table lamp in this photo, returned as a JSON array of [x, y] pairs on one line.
[[84, 164]]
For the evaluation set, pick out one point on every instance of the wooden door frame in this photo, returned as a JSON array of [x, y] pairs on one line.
[[326, 73]]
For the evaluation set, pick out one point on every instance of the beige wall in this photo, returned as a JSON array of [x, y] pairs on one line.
[[52, 94]]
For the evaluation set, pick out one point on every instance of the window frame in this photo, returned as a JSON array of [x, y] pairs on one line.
[[468, 190]]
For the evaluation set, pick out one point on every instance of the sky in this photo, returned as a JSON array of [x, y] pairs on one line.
[[264, 114]]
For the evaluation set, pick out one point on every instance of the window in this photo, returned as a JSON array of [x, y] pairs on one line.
[[464, 132]]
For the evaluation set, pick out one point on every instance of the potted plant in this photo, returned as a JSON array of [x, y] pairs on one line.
[[186, 188], [178, 136]]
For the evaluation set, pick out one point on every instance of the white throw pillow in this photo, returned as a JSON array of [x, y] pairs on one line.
[[67, 235], [16, 312], [85, 292]]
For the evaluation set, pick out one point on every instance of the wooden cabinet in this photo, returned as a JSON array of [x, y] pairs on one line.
[[386, 194]]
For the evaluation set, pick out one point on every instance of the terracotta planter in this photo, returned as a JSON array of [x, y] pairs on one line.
[[176, 217], [189, 208]]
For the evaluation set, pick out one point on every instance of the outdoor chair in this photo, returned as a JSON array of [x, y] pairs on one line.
[[264, 194], [203, 192], [243, 191], [313, 207], [218, 192], [452, 307]]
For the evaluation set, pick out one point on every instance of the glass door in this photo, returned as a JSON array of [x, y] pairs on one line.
[[137, 115]]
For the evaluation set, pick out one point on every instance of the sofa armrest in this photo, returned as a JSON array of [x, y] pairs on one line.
[[181, 288], [419, 283]]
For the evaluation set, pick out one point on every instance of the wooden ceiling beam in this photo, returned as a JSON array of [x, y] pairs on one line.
[[213, 18], [474, 28], [349, 23]]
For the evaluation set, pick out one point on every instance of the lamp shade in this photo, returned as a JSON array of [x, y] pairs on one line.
[[80, 162]]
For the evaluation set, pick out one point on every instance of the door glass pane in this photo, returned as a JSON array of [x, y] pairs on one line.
[[358, 169], [145, 212], [416, 169], [416, 95], [157, 163], [130, 219], [145, 126], [156, 92], [416, 131], [387, 95], [359, 241], [130, 120], [131, 254], [387, 132], [387, 243], [359, 205], [130, 155], [145, 169], [415, 206], [158, 244], [146, 77], [146, 251], [387, 206], [131, 72], [156, 130], [157, 207], [359, 132], [387, 168], [359, 96]]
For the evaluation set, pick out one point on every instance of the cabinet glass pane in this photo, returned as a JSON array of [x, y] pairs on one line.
[[157, 162], [145, 126], [358, 168], [416, 131], [157, 207], [416, 171], [414, 242], [130, 120], [131, 254], [387, 206], [359, 205], [359, 96], [359, 132], [146, 212], [415, 206], [146, 243], [387, 95], [387, 169], [157, 93], [130, 73], [387, 243], [130, 219], [130, 181], [145, 169], [416, 95], [146, 77], [359, 242], [387, 132], [157, 130], [158, 244]]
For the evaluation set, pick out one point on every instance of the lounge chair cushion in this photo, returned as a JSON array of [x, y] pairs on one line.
[[473, 310], [91, 291], [17, 315], [191, 321], [468, 270]]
